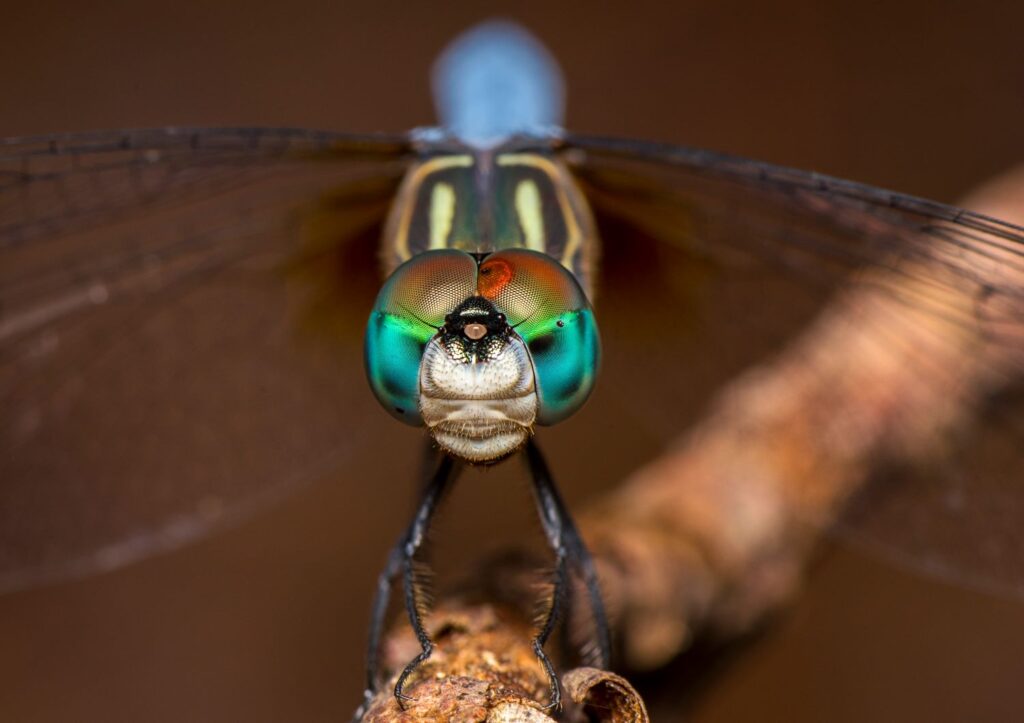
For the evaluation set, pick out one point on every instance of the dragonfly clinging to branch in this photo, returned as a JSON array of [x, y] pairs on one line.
[[165, 363]]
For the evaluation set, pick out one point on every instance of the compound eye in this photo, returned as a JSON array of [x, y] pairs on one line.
[[545, 305], [410, 308]]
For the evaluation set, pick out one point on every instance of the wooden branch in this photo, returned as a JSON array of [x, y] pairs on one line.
[[483, 669], [716, 534]]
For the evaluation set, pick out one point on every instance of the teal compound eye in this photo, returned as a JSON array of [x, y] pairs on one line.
[[546, 307], [409, 310]]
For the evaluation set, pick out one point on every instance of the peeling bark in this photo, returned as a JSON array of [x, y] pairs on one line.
[[483, 669]]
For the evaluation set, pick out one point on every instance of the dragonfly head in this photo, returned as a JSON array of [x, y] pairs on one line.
[[479, 349]]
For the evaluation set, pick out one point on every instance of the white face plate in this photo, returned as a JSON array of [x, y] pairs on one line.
[[480, 411]]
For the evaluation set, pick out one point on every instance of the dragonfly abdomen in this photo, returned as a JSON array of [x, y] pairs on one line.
[[497, 81]]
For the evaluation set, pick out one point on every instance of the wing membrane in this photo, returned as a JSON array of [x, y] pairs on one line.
[[838, 334], [179, 331]]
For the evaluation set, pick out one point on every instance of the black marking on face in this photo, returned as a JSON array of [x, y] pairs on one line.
[[475, 331]]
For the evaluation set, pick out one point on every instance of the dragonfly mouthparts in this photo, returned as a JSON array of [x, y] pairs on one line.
[[478, 396]]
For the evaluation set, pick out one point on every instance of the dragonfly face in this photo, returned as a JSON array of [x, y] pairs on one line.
[[485, 329], [477, 387]]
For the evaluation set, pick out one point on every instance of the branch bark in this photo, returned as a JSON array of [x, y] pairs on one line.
[[483, 669]]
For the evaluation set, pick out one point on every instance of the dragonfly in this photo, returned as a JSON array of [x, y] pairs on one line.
[[184, 336]]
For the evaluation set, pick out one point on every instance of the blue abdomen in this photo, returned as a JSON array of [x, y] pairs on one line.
[[494, 81]]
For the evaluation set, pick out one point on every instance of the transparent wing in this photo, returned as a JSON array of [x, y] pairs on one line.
[[166, 359], [841, 334]]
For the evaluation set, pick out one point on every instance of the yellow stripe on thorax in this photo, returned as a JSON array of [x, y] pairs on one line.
[[411, 187], [442, 213], [530, 212], [533, 216]]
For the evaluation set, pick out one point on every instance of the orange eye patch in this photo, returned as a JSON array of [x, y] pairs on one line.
[[495, 275]]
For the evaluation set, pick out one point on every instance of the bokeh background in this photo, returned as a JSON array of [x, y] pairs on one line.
[[266, 621]]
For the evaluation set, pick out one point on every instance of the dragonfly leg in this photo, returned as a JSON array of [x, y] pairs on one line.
[[581, 559], [414, 539], [380, 605], [558, 597], [568, 547], [401, 557]]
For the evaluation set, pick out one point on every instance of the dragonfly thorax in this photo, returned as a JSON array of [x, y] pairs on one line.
[[477, 386], [481, 202]]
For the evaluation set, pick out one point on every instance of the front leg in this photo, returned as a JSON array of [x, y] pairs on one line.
[[402, 557], [568, 546]]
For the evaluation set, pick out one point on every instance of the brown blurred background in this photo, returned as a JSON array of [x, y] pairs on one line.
[[266, 622]]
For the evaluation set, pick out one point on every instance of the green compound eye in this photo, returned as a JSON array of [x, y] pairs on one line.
[[409, 310], [547, 308]]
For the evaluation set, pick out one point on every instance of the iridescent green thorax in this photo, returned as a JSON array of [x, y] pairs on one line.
[[480, 202]]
